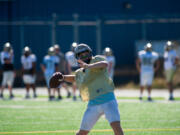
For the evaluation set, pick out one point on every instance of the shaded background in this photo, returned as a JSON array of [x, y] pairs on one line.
[[119, 24]]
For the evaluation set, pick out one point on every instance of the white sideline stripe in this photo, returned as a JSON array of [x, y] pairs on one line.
[[96, 130]]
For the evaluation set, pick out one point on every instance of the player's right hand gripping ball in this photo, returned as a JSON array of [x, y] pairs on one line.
[[56, 80]]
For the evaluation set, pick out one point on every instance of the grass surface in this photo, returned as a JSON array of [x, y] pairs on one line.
[[64, 117]]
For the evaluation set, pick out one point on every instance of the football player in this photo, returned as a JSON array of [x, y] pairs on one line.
[[96, 87], [28, 61], [70, 56], [8, 69], [110, 59], [64, 68], [145, 65], [49, 66], [170, 62]]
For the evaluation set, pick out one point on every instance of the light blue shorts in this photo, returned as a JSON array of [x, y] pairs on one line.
[[93, 113]]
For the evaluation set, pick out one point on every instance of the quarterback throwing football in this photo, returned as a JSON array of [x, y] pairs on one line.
[[96, 87]]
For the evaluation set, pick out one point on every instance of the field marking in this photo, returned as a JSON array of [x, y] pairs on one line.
[[96, 130]]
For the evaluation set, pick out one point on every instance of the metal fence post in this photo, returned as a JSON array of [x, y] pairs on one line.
[[98, 36], [76, 28], [54, 17]]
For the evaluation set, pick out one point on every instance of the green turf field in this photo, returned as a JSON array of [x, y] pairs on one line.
[[64, 117]]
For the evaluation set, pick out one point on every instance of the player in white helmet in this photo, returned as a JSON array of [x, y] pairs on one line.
[[49, 66], [70, 56], [8, 69], [28, 61], [170, 64], [97, 88], [110, 59], [145, 65], [64, 68]]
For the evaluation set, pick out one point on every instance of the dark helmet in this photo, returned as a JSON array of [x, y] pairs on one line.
[[51, 51], [82, 48], [148, 47], [107, 51], [168, 46], [7, 47]]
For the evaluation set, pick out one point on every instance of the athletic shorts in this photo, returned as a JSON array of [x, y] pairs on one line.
[[170, 74], [29, 79], [146, 78], [93, 113], [8, 78]]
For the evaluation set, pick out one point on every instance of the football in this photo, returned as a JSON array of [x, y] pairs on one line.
[[56, 80]]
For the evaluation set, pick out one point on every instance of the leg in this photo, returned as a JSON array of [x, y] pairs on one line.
[[149, 88], [141, 92], [66, 87], [59, 94], [74, 91], [27, 90], [34, 90], [170, 87], [10, 92], [112, 115], [2, 90], [90, 117], [117, 128]]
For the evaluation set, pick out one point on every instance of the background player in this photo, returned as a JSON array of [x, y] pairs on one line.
[[97, 88], [8, 69], [70, 56], [28, 61], [64, 68], [49, 66], [170, 62], [110, 59], [145, 65]]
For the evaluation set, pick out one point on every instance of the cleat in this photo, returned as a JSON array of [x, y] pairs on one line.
[[68, 95], [11, 96], [140, 98], [59, 97], [74, 98], [149, 99]]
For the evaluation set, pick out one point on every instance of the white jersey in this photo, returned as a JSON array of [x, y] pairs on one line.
[[70, 56], [6, 55], [147, 60], [27, 61], [111, 62], [169, 59]]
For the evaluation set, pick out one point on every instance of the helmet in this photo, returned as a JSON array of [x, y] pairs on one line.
[[51, 51], [107, 51], [82, 48], [56, 47], [7, 47], [148, 47], [73, 46], [168, 46], [26, 50]]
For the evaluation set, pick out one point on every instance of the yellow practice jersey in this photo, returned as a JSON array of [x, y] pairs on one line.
[[93, 82]]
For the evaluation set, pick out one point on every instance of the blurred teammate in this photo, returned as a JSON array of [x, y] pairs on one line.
[[170, 63], [64, 68], [28, 61], [8, 69], [70, 56], [96, 87], [110, 59], [49, 66], [145, 65]]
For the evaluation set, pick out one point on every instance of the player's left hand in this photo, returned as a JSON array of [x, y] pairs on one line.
[[82, 64]]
